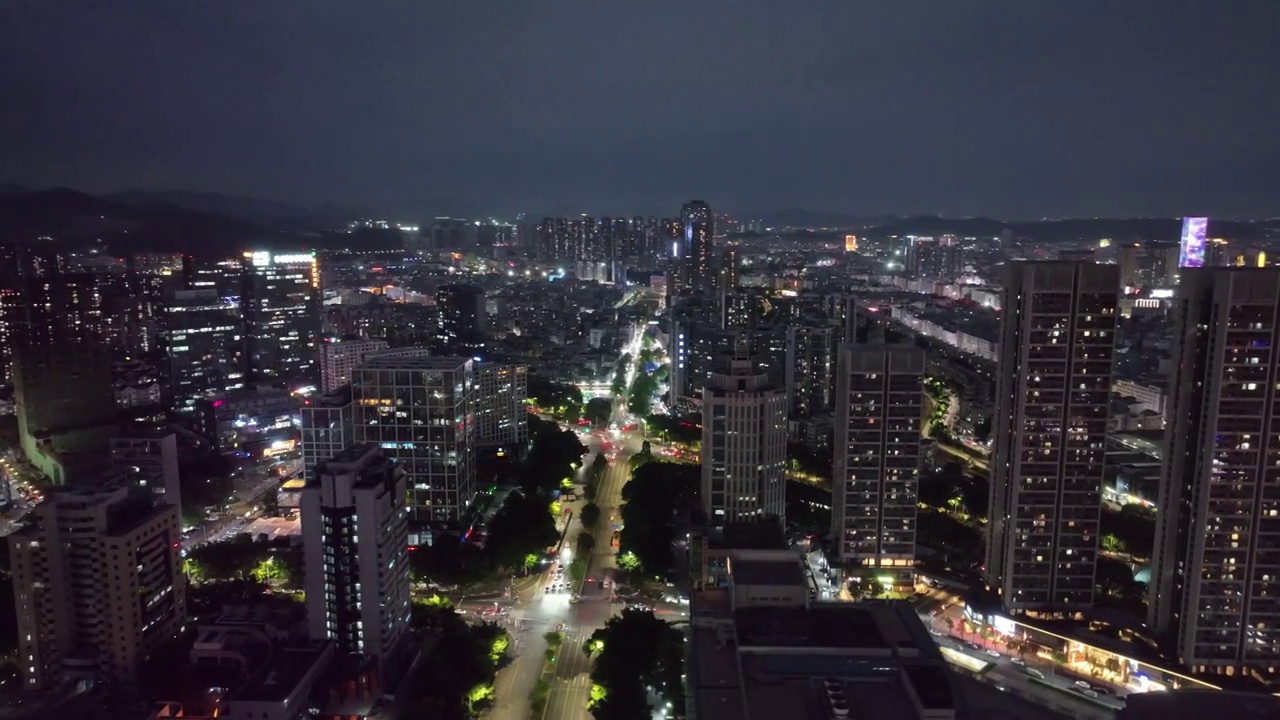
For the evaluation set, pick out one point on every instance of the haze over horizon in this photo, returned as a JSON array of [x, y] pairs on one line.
[[988, 108]]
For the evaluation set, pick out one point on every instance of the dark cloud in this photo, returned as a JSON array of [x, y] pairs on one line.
[[1017, 108]]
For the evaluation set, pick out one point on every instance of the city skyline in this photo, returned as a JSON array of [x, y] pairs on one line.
[[844, 109]]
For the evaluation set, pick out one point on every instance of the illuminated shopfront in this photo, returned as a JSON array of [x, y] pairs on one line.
[[1087, 660]]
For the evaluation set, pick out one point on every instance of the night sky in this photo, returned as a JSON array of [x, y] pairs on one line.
[[1017, 109]]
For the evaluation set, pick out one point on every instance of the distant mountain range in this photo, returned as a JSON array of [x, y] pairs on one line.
[[1055, 230], [139, 221], [256, 210]]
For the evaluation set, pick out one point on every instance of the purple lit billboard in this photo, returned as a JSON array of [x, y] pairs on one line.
[[1191, 250]]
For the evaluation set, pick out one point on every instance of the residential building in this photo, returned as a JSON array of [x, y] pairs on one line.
[[421, 411], [280, 298], [809, 371], [934, 257], [355, 526], [338, 357], [744, 443], [1053, 392], [96, 586], [1215, 577], [877, 451]]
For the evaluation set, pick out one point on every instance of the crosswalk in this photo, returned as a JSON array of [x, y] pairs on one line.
[[577, 682]]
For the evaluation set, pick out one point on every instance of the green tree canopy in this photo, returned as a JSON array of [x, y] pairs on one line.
[[522, 526], [656, 491]]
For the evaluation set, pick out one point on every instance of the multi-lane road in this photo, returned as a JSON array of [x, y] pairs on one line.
[[578, 611]]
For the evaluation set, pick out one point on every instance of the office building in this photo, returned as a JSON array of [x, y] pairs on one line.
[[355, 529], [462, 316], [877, 458], [96, 585], [326, 428], [695, 249], [262, 421], [338, 357], [281, 304], [502, 422], [1215, 578], [744, 443], [1052, 396], [150, 462], [809, 372], [224, 276], [204, 338], [421, 411]]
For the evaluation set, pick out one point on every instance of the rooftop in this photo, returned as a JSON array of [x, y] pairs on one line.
[[766, 572], [416, 362], [819, 626], [868, 657], [749, 536], [364, 460], [281, 676]]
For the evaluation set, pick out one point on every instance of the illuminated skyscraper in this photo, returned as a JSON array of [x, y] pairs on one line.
[[744, 443], [355, 529], [1053, 394], [877, 457], [808, 369], [462, 316], [698, 231], [281, 303], [421, 411], [204, 338], [730, 260], [1215, 578]]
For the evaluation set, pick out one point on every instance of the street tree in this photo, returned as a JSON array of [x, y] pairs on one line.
[[598, 410], [656, 491], [521, 527], [635, 651]]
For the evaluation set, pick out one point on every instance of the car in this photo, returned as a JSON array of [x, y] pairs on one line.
[[1082, 685], [1089, 692], [1033, 672], [1100, 690], [934, 633], [1017, 661], [994, 654]]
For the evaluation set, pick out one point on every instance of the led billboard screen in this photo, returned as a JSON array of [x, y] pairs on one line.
[[1191, 249]]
